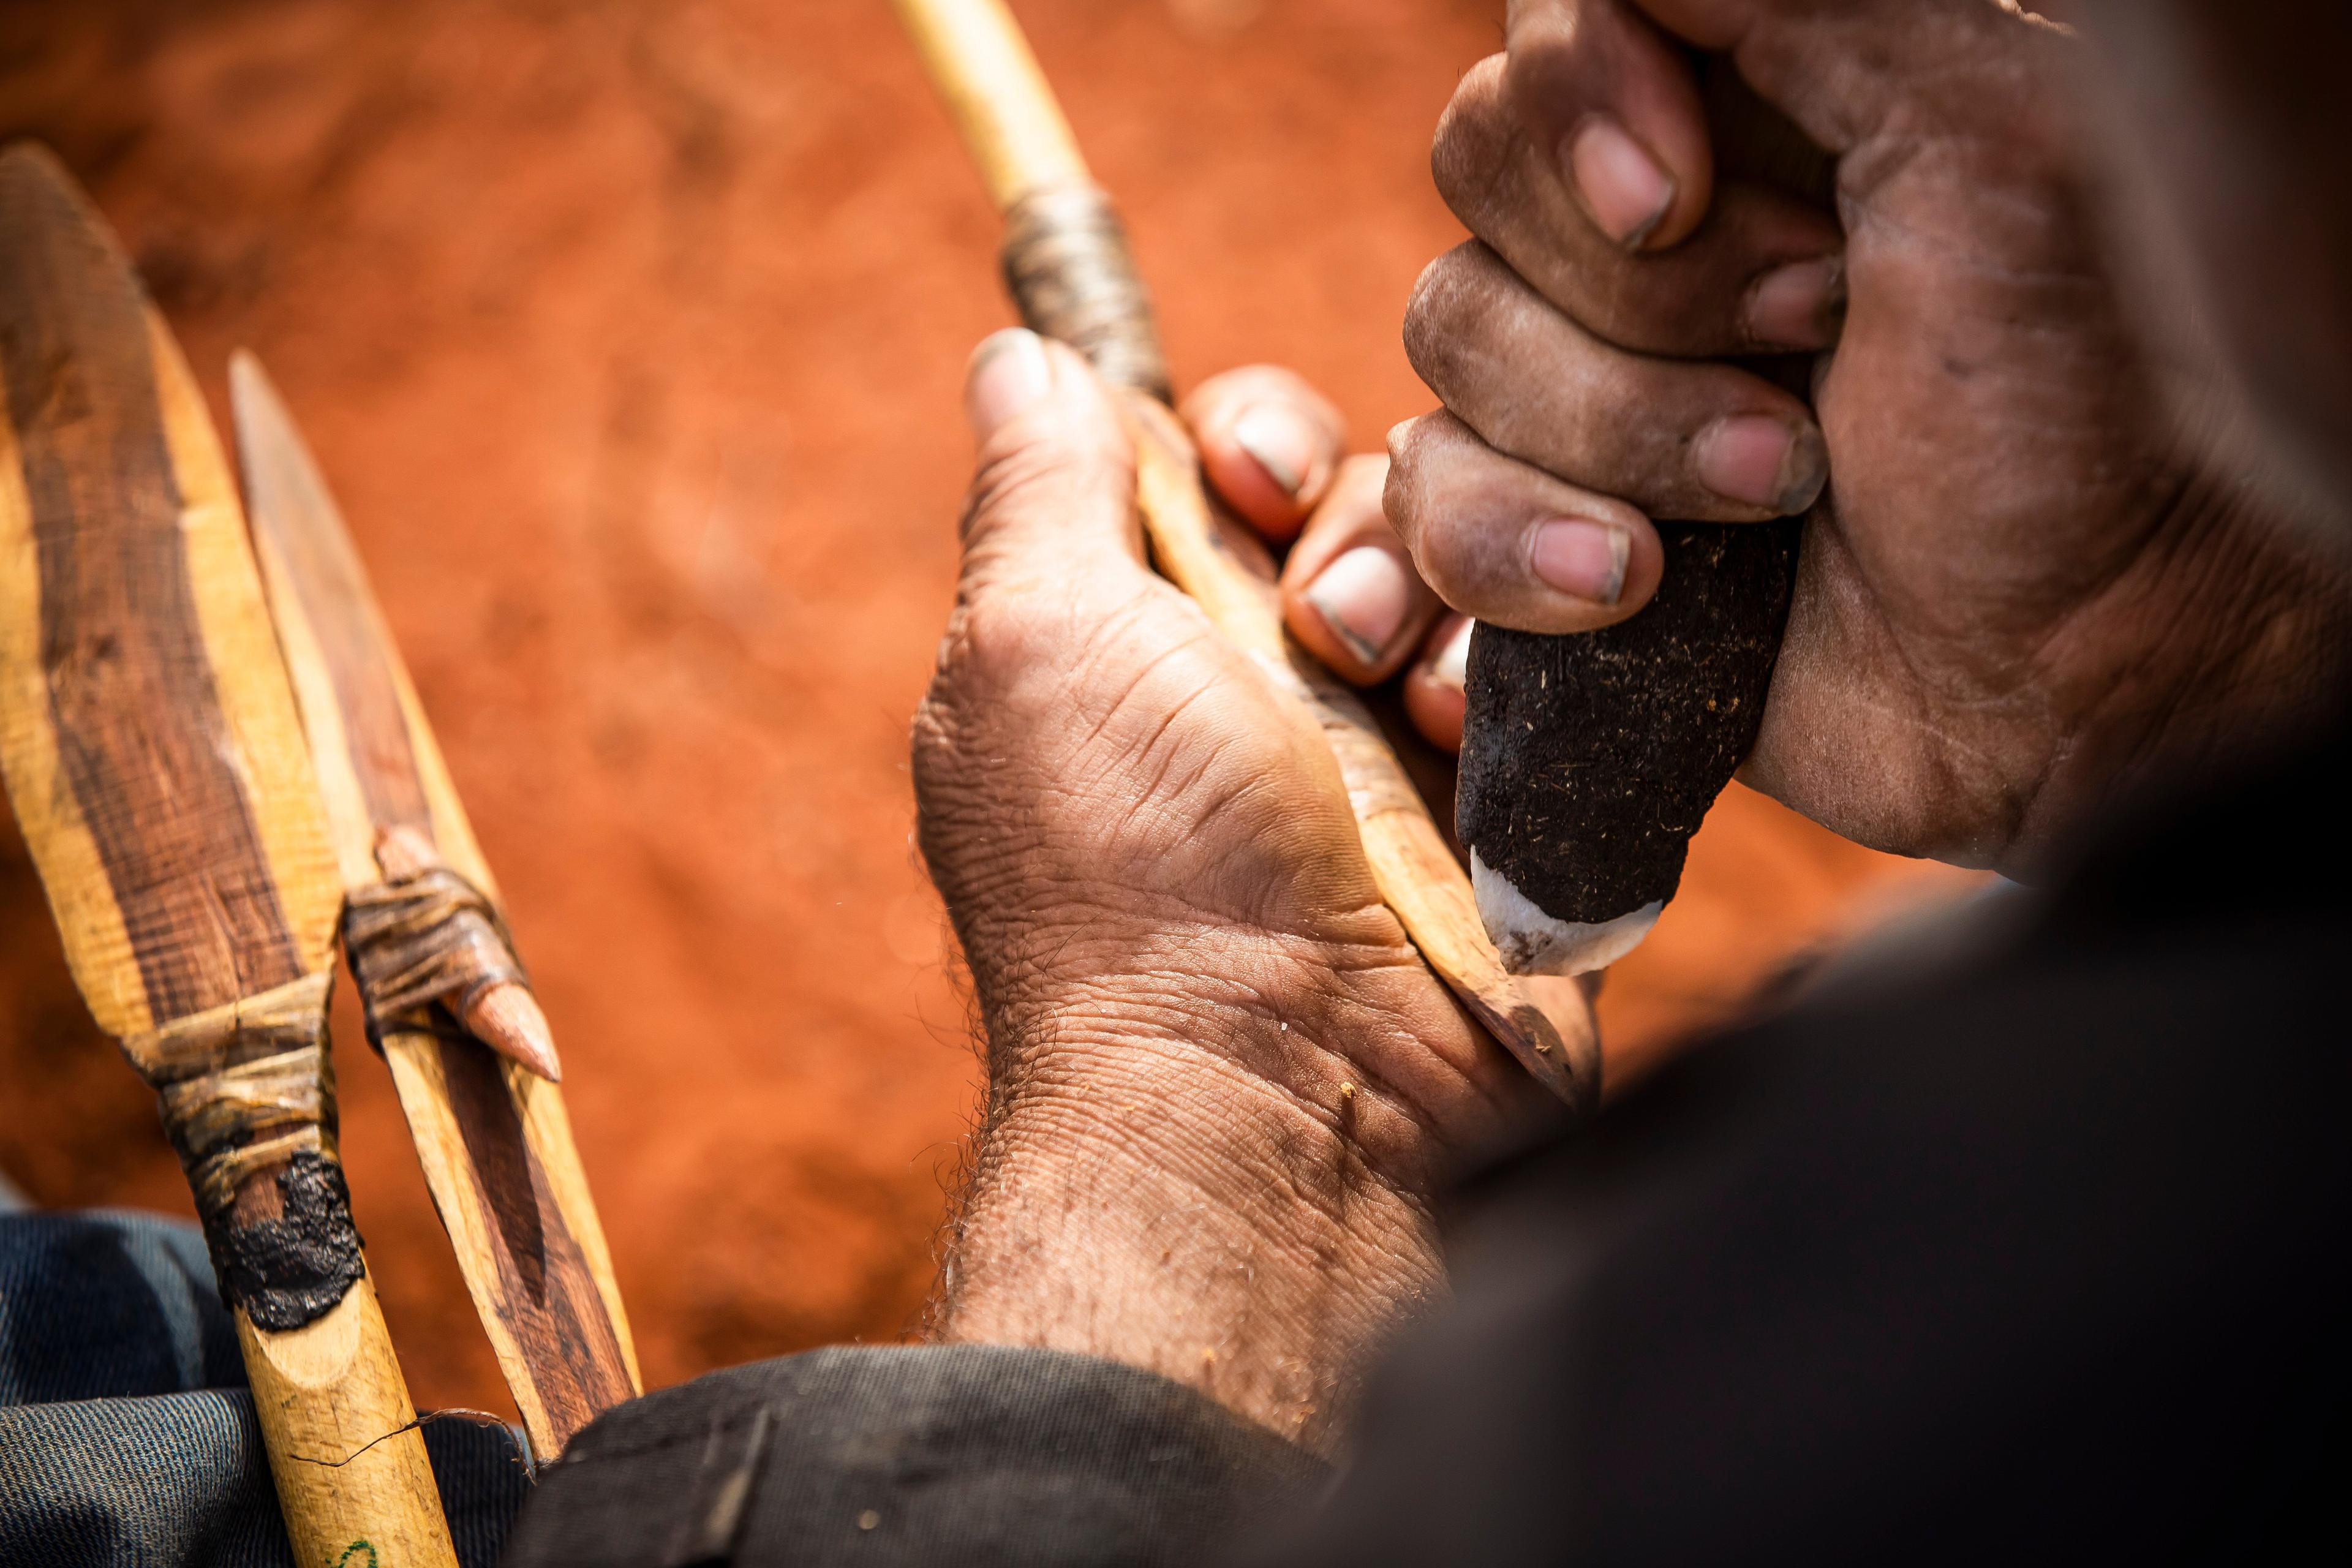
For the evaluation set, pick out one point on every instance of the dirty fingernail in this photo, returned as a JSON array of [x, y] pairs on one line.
[[1757, 460], [1451, 665], [1624, 189], [1280, 442], [1362, 597], [1009, 372], [1798, 306], [1585, 559]]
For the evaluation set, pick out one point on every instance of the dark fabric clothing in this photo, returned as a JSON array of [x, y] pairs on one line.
[[2046, 1256], [126, 1433], [182, 1480], [2039, 1246], [2033, 1244], [108, 1305], [2036, 1245], [971, 1455]]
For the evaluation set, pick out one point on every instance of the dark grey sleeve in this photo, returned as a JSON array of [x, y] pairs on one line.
[[966, 1456]]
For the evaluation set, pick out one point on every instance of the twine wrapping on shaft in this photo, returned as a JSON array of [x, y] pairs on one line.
[[247, 1090], [1068, 269], [427, 937], [243, 1087]]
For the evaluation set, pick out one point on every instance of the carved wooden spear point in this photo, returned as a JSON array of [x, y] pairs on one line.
[[423, 929], [151, 748], [502, 1014], [506, 1017]]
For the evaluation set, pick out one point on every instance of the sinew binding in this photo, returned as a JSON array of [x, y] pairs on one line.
[[439, 977]]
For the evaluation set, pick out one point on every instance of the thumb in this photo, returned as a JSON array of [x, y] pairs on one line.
[[1053, 489]]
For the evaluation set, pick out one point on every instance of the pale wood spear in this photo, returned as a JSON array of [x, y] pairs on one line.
[[429, 945], [153, 758], [1066, 264]]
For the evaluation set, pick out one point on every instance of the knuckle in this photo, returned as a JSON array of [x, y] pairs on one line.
[[996, 636], [1000, 642], [1454, 562], [1431, 334], [1470, 153], [1401, 493], [1455, 312]]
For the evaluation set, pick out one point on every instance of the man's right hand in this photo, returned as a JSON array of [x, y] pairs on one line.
[[2024, 577]]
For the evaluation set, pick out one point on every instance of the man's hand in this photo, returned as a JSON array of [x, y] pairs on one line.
[[1223, 1085], [2024, 579]]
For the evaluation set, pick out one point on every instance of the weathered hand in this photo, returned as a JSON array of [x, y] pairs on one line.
[[1221, 1082], [2026, 577]]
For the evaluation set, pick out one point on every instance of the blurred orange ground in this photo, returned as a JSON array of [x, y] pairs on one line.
[[630, 336]]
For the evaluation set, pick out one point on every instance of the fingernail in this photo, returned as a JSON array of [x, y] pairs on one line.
[[1624, 189], [1757, 460], [1362, 597], [1280, 442], [1451, 665], [1009, 372], [1798, 306], [1585, 559]]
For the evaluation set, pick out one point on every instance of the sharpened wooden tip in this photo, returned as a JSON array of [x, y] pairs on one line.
[[403, 853], [506, 1017]]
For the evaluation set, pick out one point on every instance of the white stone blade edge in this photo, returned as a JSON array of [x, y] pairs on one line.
[[1533, 942]]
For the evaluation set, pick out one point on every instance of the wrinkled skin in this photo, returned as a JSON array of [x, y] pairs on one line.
[[2027, 579], [1179, 953], [1221, 1085]]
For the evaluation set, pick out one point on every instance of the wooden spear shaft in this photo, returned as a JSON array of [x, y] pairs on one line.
[[150, 747], [1066, 264], [492, 1135]]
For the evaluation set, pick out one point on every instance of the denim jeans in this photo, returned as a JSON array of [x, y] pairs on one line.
[[127, 1435]]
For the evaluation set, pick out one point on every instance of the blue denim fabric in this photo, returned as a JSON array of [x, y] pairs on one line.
[[109, 1305], [126, 1434]]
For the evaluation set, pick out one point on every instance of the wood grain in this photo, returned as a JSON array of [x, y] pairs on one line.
[[157, 768], [164, 810], [495, 1145], [1002, 106], [325, 1395]]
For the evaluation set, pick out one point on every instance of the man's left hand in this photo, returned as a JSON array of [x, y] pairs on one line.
[[1222, 1084]]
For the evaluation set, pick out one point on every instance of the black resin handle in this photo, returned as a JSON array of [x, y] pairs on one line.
[[1588, 761]]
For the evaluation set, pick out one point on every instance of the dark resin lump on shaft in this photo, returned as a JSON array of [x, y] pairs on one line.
[[1588, 761]]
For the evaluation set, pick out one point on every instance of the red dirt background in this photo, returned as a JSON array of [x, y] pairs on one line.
[[630, 336]]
